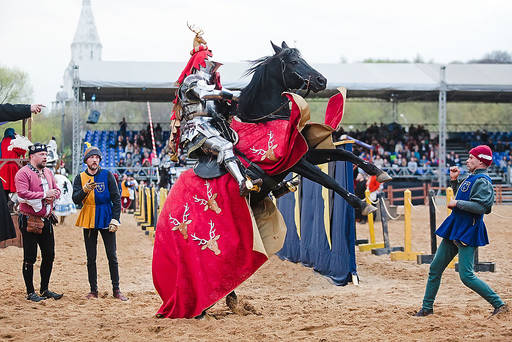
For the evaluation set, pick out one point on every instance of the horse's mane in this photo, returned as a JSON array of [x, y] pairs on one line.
[[259, 70]]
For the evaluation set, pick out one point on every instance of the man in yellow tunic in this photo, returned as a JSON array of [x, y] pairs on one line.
[[96, 189]]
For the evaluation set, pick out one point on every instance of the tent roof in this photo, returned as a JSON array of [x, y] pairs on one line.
[[155, 81]]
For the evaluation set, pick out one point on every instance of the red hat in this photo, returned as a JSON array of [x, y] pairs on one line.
[[482, 153]]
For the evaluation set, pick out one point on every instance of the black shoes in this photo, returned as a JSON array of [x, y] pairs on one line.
[[35, 298], [50, 294], [500, 309], [424, 312]]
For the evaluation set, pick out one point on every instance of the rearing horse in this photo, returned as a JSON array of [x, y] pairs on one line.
[[202, 253], [262, 100]]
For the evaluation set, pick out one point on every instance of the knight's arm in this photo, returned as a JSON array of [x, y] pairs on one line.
[[223, 95], [203, 91]]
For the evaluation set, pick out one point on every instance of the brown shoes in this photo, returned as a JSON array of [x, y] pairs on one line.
[[117, 294], [92, 295], [120, 296]]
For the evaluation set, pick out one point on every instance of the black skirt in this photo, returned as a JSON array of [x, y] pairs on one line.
[[6, 226]]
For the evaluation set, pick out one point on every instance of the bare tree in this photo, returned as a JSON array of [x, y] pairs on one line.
[[495, 57]]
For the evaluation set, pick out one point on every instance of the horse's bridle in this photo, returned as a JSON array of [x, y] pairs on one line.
[[305, 82], [305, 85]]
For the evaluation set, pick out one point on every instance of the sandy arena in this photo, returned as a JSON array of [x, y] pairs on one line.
[[290, 301]]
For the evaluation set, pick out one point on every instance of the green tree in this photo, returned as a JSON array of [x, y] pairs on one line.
[[14, 86]]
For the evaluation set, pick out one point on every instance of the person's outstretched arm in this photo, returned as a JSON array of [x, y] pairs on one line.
[[9, 112]]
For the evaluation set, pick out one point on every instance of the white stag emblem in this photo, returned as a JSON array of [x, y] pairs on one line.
[[211, 203], [183, 225], [269, 153], [212, 243]]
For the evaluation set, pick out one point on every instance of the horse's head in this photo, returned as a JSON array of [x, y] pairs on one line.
[[286, 70], [296, 72]]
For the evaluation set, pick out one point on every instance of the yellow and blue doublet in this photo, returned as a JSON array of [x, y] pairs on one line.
[[97, 205]]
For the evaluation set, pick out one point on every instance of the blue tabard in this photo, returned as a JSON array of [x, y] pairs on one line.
[[464, 226], [103, 210]]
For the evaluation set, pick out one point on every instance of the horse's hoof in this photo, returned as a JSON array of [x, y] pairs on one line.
[[201, 315], [383, 177], [232, 301], [368, 209]]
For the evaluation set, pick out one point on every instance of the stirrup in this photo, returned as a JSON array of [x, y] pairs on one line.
[[254, 184]]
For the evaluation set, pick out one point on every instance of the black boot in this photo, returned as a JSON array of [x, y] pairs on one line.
[[424, 312]]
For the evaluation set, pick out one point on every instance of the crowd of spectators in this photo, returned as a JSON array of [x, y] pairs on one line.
[[411, 150], [137, 150], [501, 145], [414, 151], [398, 147]]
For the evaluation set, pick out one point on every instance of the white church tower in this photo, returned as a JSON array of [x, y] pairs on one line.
[[86, 45]]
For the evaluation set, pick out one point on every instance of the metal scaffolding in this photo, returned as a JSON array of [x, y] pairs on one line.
[[442, 128], [77, 143]]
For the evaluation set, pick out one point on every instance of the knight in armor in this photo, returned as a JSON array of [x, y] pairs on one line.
[[201, 114]]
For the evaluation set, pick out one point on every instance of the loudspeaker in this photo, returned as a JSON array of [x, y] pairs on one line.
[[94, 116]]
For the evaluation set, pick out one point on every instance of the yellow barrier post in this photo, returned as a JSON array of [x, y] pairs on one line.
[[150, 225], [163, 198], [148, 208], [144, 208], [372, 245], [140, 201], [138, 210], [449, 197], [407, 254]]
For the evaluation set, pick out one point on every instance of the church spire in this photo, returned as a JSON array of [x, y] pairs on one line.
[[86, 44]]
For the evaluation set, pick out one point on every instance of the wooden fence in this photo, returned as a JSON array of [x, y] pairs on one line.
[[501, 193]]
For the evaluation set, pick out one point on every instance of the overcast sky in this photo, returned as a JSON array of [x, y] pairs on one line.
[[35, 35]]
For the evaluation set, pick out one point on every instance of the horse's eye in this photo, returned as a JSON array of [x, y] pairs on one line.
[[294, 62]]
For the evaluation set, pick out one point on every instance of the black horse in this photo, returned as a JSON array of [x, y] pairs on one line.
[[262, 100], [273, 75]]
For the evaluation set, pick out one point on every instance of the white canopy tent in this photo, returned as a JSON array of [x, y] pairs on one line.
[[155, 81]]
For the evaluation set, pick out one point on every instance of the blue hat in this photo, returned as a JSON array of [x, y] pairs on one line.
[[9, 132]]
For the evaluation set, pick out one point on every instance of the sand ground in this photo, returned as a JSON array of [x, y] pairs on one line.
[[291, 301]]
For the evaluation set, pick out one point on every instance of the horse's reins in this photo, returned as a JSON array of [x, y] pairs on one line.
[[305, 83]]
